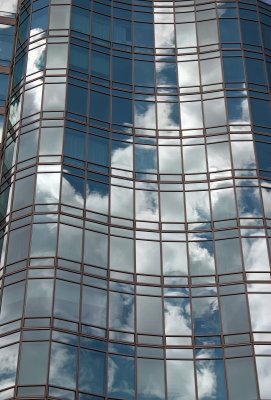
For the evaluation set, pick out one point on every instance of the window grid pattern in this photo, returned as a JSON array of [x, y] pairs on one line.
[[135, 202]]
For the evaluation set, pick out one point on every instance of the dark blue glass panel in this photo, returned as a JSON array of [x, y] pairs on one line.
[[143, 73], [77, 99], [122, 111], [39, 20], [101, 26], [19, 71], [79, 58], [99, 106], [75, 144], [233, 69], [6, 40], [229, 31], [98, 150], [261, 112], [266, 35], [255, 71], [143, 34], [122, 31], [3, 87], [80, 20], [250, 32], [122, 70], [100, 65], [263, 151]]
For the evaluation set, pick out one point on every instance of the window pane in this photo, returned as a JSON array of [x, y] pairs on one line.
[[92, 372], [63, 365], [33, 363]]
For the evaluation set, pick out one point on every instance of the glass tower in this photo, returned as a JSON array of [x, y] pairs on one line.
[[135, 200]]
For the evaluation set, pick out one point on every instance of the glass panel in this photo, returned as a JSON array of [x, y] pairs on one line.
[[259, 311], [23, 192], [180, 380], [214, 112], [234, 314], [211, 71], [255, 254], [150, 379], [194, 159], [28, 145], [143, 34], [149, 315], [172, 206], [51, 141], [146, 205], [57, 55], [67, 300], [18, 244], [54, 97], [170, 159], [201, 258], [191, 115], [60, 17], [241, 379], [121, 202], [39, 298], [121, 254], [177, 316], [148, 257], [12, 302], [70, 242], [211, 379], [188, 73], [80, 20], [47, 188], [186, 35], [63, 365], [164, 35], [228, 256], [174, 258], [197, 206], [94, 306], [8, 366], [223, 203], [96, 249], [264, 375], [121, 377], [32, 101], [33, 363], [207, 32], [121, 311], [43, 242], [206, 318], [92, 372]]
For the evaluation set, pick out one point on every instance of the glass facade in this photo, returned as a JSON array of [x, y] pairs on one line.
[[135, 201]]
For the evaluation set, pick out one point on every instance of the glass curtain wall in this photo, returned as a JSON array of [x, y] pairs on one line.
[[135, 202], [8, 11]]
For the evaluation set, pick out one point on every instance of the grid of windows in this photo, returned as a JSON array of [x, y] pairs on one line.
[[135, 202], [7, 32]]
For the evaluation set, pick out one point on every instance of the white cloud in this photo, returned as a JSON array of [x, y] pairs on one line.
[[8, 5]]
